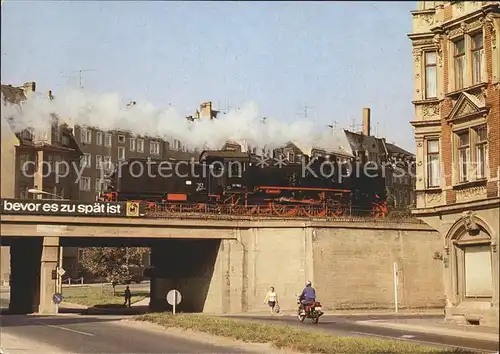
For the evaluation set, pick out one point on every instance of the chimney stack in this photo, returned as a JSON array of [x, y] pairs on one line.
[[206, 110], [366, 121], [29, 87]]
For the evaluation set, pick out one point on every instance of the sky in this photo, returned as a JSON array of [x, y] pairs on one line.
[[322, 60]]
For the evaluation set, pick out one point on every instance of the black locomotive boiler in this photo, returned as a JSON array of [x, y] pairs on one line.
[[246, 183]]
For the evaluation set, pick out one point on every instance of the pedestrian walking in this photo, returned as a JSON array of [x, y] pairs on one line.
[[128, 297], [271, 300]]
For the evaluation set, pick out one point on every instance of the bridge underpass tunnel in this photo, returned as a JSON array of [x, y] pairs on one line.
[[32, 260], [186, 265]]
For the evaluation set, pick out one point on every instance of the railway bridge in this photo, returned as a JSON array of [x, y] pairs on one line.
[[221, 264]]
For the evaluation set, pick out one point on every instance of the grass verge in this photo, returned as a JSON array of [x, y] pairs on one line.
[[100, 296], [282, 336]]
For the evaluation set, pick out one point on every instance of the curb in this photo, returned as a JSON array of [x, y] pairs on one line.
[[338, 314], [433, 330]]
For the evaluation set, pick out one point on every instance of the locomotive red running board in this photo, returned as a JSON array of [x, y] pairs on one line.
[[272, 188]]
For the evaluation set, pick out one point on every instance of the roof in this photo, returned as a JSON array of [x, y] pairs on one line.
[[394, 149], [224, 154], [360, 142], [15, 96]]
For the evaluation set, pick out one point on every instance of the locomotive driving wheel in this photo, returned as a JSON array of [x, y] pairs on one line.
[[284, 210], [315, 211]]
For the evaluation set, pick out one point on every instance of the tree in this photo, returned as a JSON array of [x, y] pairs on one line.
[[112, 263]]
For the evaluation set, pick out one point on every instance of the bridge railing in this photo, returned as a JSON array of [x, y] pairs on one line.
[[273, 211]]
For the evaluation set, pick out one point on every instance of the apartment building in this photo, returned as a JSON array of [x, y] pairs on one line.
[[399, 164], [35, 159], [456, 56]]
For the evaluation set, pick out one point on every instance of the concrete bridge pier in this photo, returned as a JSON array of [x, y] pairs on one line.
[[32, 261], [49, 258], [25, 255]]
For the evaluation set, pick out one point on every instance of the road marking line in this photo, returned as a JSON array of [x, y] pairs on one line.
[[67, 329], [425, 342], [407, 336]]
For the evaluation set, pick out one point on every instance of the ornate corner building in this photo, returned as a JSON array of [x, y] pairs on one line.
[[456, 56]]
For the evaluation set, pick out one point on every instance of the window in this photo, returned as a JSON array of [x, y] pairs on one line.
[[154, 148], [121, 153], [140, 145], [132, 144], [23, 192], [477, 57], [98, 185], [86, 161], [23, 159], [57, 159], [85, 184], [121, 138], [107, 162], [99, 138], [459, 63], [65, 140], [62, 167], [98, 161], [481, 151], [433, 174], [107, 140], [463, 155], [430, 75], [86, 136]]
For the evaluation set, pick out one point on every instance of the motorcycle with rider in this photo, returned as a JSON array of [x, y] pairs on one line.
[[308, 306]]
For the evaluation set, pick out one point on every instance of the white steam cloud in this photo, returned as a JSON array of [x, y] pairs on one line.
[[110, 112]]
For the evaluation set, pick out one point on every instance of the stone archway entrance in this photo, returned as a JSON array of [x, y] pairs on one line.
[[472, 272]]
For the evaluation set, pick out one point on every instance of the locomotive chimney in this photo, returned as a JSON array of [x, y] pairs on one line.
[[206, 110], [366, 121]]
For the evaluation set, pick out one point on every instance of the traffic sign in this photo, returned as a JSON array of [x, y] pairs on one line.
[[61, 272], [57, 298], [171, 298]]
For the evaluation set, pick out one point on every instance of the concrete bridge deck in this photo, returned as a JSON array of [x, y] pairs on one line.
[[172, 227]]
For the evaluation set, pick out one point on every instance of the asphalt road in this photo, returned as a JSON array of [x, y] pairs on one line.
[[347, 326], [86, 334]]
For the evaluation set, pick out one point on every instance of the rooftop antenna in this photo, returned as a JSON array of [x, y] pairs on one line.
[[353, 125], [80, 76], [333, 126]]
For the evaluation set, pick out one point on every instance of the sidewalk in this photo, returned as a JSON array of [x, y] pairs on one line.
[[437, 326], [343, 313], [137, 308]]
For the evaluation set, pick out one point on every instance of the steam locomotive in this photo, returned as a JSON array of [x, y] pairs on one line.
[[247, 183]]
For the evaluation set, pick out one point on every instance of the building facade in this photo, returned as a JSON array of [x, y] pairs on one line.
[[456, 56], [34, 160]]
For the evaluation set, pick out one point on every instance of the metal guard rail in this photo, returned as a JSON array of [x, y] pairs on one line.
[[272, 211]]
